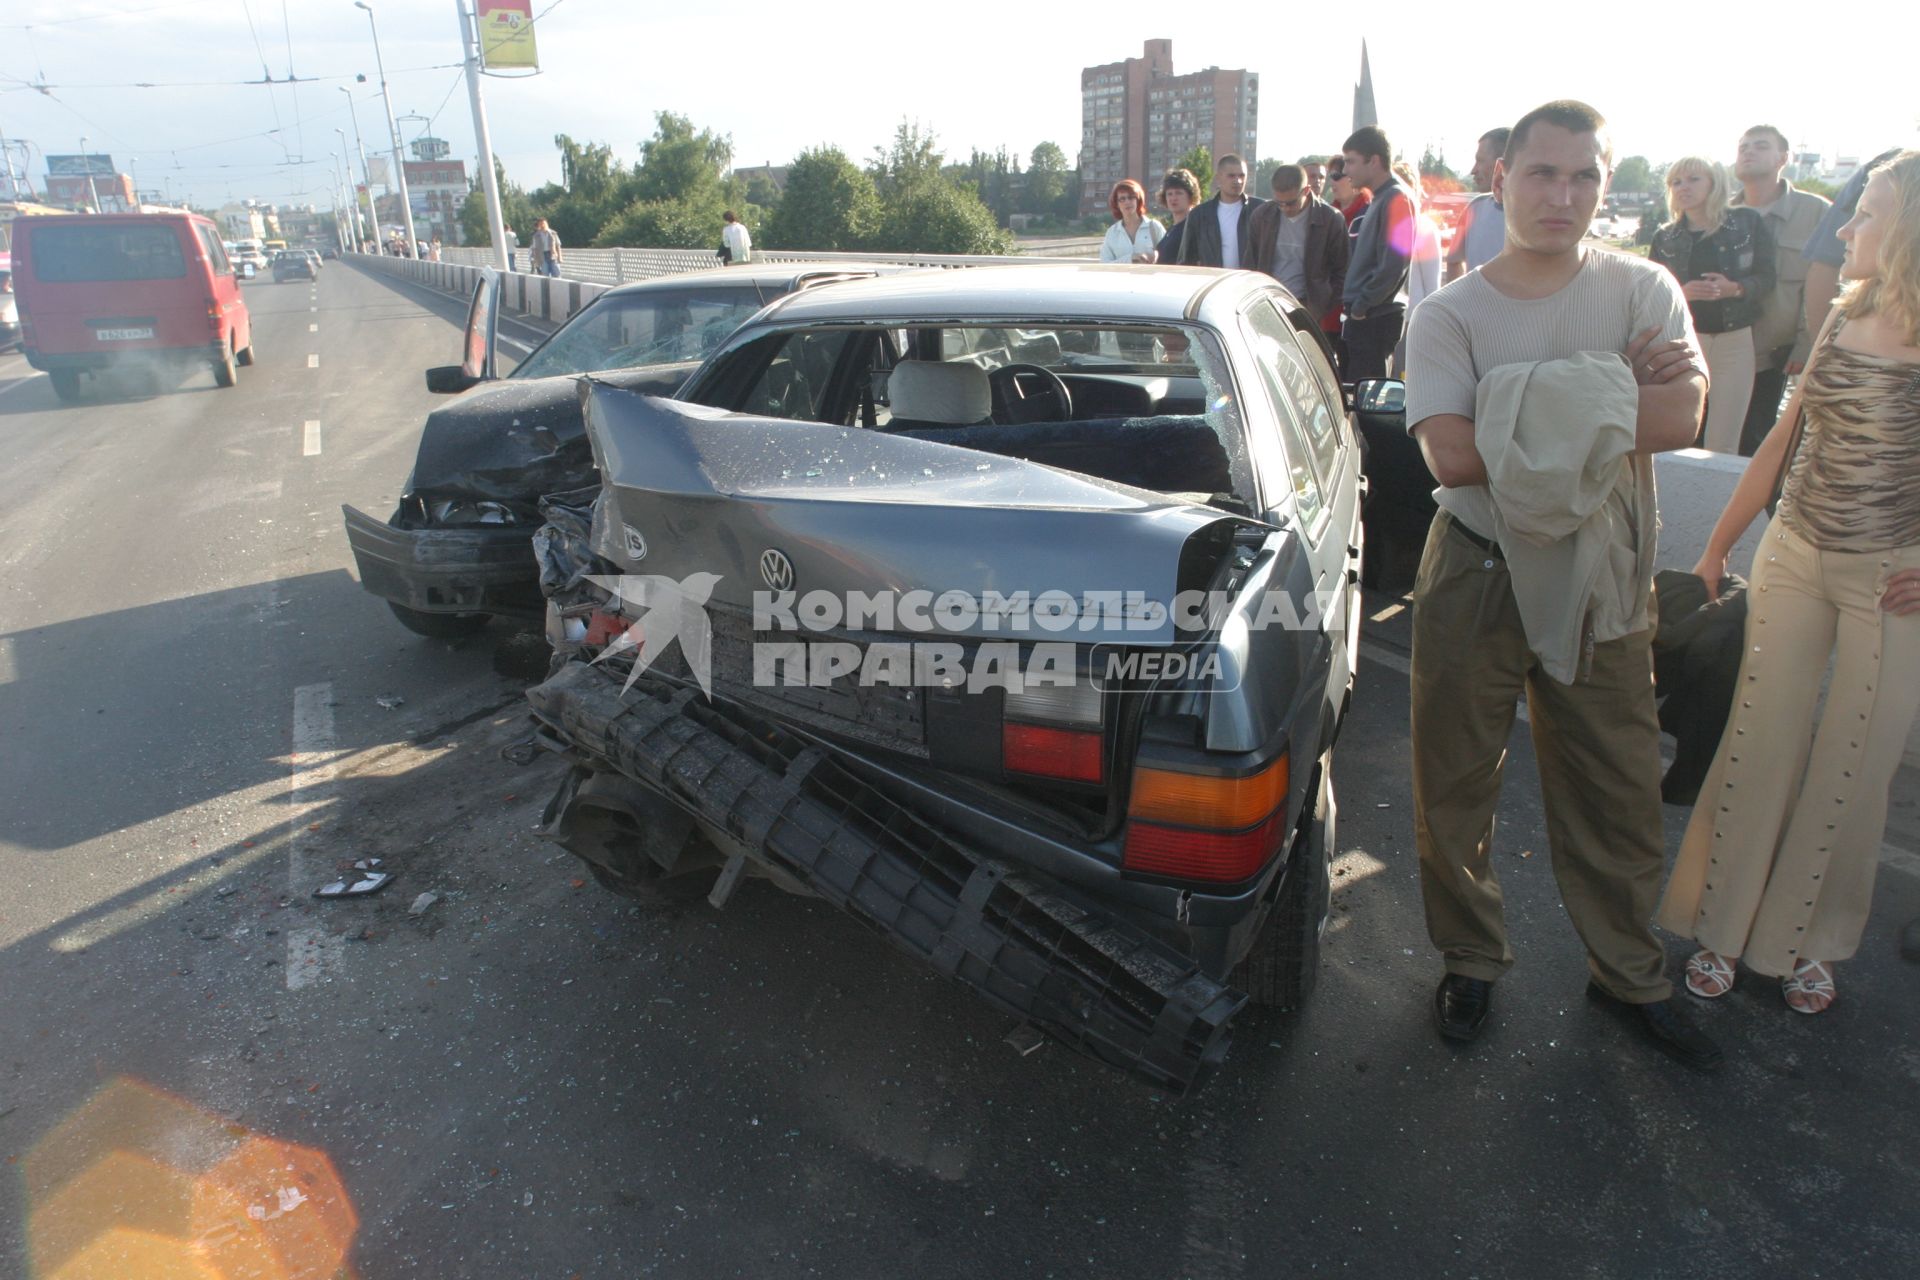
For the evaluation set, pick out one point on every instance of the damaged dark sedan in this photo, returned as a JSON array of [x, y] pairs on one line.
[[1012, 611], [456, 551]]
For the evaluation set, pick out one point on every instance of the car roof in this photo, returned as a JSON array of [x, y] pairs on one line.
[[779, 276], [1042, 291]]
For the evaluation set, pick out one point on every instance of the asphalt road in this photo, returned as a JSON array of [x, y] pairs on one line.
[[534, 1079]]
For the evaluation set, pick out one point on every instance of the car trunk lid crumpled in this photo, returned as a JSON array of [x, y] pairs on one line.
[[777, 775]]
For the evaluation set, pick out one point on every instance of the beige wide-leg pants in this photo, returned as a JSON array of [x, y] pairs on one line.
[[1779, 859]]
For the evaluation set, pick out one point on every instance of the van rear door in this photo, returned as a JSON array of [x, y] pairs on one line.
[[110, 284]]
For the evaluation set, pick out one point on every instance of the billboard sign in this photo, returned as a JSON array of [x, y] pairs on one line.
[[100, 166], [506, 35]]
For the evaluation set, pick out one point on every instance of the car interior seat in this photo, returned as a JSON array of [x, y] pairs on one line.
[[938, 393]]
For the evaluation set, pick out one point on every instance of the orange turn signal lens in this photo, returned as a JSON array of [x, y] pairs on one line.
[[1201, 800]]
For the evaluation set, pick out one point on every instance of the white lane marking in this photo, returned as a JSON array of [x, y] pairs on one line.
[[310, 446], [1894, 858], [313, 361], [311, 952], [16, 385], [313, 308], [314, 327]]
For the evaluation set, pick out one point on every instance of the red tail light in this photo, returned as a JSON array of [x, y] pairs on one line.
[[1192, 826], [1043, 751], [213, 316]]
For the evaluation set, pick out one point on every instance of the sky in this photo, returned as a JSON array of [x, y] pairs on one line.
[[780, 78]]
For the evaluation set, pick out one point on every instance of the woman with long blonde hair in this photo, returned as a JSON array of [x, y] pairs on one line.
[[1777, 866], [1723, 257]]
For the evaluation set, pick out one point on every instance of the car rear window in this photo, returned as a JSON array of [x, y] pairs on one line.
[[113, 251]]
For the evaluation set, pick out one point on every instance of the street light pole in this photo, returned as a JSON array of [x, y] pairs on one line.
[[93, 196], [496, 221], [366, 174], [393, 131], [342, 188]]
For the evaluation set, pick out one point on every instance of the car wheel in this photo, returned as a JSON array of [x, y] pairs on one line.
[[440, 626], [66, 384], [1284, 963], [224, 372], [245, 358]]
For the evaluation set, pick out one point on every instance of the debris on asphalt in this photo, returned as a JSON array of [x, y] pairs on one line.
[[367, 878], [390, 701], [421, 903], [521, 753]]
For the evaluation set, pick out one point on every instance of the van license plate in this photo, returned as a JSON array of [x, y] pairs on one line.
[[122, 335]]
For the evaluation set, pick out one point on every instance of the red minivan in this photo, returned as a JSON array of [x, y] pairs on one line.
[[120, 290]]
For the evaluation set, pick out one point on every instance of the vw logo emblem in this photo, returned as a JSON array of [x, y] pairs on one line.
[[776, 570]]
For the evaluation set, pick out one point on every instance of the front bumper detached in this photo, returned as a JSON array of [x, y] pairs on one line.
[[1042, 951], [465, 569]]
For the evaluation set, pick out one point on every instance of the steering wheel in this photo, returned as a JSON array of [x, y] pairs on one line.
[[1029, 393]]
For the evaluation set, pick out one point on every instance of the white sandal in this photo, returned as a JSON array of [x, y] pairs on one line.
[[1709, 975], [1812, 983]]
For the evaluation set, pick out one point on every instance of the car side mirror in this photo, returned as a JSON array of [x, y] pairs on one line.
[[1380, 395], [447, 379]]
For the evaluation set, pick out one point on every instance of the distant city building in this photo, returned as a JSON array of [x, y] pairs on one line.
[[774, 173], [242, 221], [1137, 118], [78, 182], [438, 188]]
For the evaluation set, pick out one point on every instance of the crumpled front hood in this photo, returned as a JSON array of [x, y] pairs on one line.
[[514, 440], [687, 489]]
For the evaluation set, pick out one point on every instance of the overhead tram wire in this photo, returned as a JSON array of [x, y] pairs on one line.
[[42, 85], [299, 126], [265, 74]]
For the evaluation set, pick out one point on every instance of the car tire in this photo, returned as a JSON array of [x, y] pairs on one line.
[[225, 374], [440, 626], [1280, 970], [245, 358], [66, 384]]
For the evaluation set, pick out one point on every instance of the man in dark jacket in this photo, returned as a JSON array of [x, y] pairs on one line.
[[1301, 241], [1376, 292], [1202, 243]]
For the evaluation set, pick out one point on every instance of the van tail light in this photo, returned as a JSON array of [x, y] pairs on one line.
[[213, 316], [1211, 827], [6, 282], [1054, 731]]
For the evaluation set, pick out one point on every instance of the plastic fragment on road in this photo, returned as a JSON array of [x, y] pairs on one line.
[[421, 903], [390, 701], [367, 877]]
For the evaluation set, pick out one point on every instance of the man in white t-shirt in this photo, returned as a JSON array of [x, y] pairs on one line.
[[1216, 233], [735, 240], [1597, 739]]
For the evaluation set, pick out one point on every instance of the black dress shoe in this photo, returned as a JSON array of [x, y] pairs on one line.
[[1460, 1005], [1666, 1026]]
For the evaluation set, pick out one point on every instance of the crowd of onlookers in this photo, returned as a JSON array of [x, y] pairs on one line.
[[1733, 237], [1541, 378]]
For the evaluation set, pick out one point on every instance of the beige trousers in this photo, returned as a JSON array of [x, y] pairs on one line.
[[1779, 859], [1730, 371], [1597, 744]]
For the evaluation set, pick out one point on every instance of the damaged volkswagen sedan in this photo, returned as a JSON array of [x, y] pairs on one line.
[[456, 551], [1012, 611]]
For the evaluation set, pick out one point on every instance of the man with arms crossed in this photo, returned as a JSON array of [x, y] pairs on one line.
[[1596, 740]]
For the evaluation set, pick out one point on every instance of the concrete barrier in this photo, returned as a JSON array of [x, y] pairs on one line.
[[539, 297]]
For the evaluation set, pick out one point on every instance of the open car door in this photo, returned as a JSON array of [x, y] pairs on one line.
[[477, 361]]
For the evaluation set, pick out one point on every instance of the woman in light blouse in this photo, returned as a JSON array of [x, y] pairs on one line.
[[1133, 237]]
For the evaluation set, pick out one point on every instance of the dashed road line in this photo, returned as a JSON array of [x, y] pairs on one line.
[[310, 445], [314, 327], [313, 360]]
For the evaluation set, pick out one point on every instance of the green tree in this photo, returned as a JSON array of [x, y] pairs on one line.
[[1633, 175], [1047, 180], [662, 224], [1433, 164], [1199, 162], [830, 204], [515, 208], [761, 191], [679, 163], [921, 209]]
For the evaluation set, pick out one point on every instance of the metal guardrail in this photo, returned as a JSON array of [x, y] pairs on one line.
[[622, 266]]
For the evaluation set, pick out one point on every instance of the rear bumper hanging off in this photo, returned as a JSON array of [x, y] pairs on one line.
[[1042, 951]]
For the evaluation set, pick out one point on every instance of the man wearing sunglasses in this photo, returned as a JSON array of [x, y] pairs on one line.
[[1301, 241]]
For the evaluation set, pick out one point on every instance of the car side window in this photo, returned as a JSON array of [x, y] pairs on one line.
[[216, 252], [1321, 424], [1323, 373], [794, 383], [1278, 361]]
